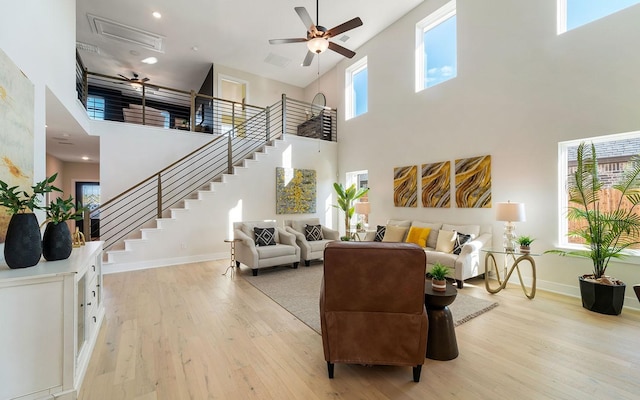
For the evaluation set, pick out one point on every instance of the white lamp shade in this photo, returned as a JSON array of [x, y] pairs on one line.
[[510, 212], [363, 207], [318, 45]]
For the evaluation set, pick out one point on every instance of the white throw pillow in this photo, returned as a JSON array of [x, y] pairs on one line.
[[394, 234], [446, 241]]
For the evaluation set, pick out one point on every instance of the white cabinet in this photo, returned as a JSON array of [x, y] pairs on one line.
[[50, 315]]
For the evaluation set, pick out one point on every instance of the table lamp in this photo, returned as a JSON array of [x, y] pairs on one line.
[[509, 213], [363, 208]]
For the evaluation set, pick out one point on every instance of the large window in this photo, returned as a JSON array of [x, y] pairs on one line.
[[575, 13], [357, 89], [613, 153], [436, 47], [95, 107]]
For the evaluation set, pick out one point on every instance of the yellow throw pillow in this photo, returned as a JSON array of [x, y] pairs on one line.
[[418, 236], [446, 241], [394, 234]]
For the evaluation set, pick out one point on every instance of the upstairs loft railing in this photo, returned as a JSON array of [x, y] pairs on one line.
[[153, 197]]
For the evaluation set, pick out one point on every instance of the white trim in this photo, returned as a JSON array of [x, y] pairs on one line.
[[429, 22], [562, 17], [349, 72]]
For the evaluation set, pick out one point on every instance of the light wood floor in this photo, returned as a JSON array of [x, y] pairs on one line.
[[187, 332]]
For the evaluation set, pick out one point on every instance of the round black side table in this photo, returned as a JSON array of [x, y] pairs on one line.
[[441, 341]]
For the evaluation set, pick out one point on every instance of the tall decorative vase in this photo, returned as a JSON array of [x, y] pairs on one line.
[[23, 245], [56, 242]]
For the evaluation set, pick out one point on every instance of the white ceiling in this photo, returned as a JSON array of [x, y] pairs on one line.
[[233, 33]]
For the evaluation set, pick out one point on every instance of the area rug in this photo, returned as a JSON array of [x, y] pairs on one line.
[[298, 291]]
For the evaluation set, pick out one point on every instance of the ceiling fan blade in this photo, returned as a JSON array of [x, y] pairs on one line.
[[124, 77], [308, 58], [306, 19], [283, 41], [354, 23], [144, 79], [342, 50]]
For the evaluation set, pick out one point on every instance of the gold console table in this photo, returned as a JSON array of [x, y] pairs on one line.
[[515, 258]]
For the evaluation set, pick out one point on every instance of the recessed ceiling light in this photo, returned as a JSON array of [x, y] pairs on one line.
[[150, 60], [194, 48], [85, 158], [157, 14]]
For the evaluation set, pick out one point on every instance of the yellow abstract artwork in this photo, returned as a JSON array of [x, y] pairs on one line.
[[16, 131], [436, 185], [405, 186], [473, 182], [295, 191]]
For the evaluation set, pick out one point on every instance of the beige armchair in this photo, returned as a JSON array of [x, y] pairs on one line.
[[372, 305], [264, 248], [310, 249]]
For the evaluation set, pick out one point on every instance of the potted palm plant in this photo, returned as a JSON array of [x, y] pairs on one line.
[[23, 246], [56, 241], [606, 234], [439, 274], [346, 197]]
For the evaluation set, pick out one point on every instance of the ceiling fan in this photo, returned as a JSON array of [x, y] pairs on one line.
[[318, 36], [137, 83]]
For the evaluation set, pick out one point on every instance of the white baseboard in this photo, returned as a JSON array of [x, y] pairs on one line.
[[112, 268]]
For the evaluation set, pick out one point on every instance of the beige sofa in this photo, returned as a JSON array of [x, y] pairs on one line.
[[467, 264]]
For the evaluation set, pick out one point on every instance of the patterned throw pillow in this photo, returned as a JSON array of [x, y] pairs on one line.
[[265, 236], [380, 233], [460, 241], [313, 232]]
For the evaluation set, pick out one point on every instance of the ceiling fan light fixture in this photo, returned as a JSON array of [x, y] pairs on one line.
[[136, 85], [318, 45]]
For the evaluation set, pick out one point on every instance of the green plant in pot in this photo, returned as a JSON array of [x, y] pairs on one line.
[[439, 274], [525, 243], [56, 241], [606, 234], [23, 245], [346, 197]]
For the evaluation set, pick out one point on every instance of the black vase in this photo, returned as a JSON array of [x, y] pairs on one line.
[[603, 299], [22, 246], [56, 242]]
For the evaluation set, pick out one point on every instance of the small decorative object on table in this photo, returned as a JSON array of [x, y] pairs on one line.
[[525, 243], [439, 274], [77, 239]]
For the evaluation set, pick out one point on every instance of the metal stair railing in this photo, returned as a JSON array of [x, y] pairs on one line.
[[138, 206]]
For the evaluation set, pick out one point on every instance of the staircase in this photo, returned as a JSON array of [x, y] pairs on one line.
[[183, 213]]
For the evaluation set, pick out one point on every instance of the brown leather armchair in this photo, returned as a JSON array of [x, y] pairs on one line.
[[372, 305]]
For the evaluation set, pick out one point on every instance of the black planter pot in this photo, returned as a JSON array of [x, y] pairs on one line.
[[23, 245], [603, 299], [56, 242]]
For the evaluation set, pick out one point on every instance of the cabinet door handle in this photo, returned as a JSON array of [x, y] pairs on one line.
[[94, 268], [94, 293], [89, 303], [94, 319]]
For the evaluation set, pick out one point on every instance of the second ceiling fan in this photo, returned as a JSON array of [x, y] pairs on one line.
[[318, 36]]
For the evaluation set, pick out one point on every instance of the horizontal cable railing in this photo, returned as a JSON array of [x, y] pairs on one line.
[[118, 99]]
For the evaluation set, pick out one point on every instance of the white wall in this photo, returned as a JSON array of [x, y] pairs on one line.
[[520, 90], [131, 153], [31, 35], [262, 91]]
